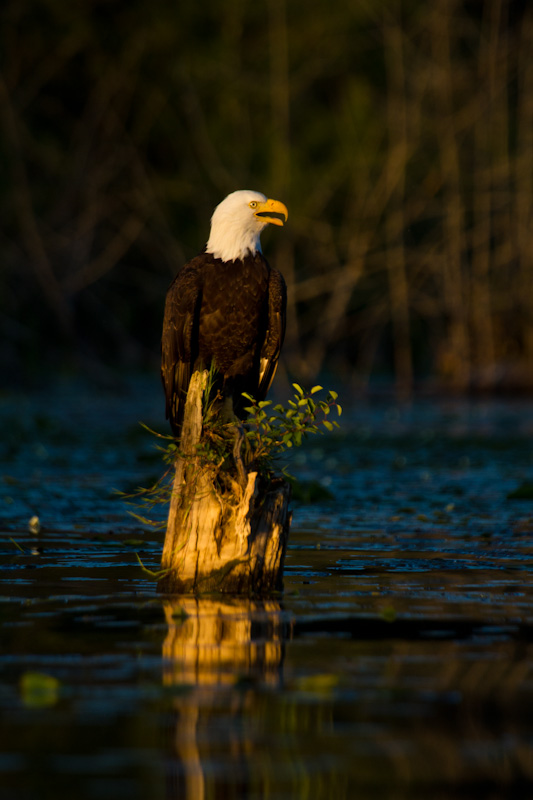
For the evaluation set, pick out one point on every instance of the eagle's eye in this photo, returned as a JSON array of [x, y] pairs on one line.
[[253, 204]]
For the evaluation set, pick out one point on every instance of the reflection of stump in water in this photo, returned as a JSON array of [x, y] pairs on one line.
[[215, 646], [232, 541]]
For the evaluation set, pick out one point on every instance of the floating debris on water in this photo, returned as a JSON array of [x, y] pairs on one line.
[[34, 525]]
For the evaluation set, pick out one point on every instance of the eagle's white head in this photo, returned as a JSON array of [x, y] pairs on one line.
[[237, 223]]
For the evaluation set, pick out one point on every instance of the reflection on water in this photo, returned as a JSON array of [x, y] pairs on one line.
[[399, 665], [390, 708], [213, 644]]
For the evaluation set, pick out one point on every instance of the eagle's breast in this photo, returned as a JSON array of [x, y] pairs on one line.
[[233, 312]]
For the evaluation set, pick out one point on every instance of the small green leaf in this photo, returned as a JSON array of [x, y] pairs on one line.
[[39, 690], [327, 424], [388, 614], [298, 388], [316, 389]]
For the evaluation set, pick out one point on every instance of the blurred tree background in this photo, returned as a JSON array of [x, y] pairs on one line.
[[398, 133]]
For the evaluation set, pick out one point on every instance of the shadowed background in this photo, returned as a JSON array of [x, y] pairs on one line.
[[399, 134], [399, 662]]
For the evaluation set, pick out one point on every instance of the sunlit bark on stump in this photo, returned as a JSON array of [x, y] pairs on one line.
[[228, 540]]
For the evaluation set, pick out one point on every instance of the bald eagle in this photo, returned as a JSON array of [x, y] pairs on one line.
[[226, 309]]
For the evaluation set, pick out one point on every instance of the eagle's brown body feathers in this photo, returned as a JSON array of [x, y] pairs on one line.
[[230, 314]]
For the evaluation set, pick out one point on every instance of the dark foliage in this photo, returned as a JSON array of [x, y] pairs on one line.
[[398, 134]]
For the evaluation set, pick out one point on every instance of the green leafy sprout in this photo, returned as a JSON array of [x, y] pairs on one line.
[[273, 429], [267, 433]]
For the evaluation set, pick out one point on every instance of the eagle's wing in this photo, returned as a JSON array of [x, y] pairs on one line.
[[179, 341], [275, 332]]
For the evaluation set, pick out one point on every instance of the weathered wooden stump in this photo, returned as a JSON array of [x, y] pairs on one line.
[[230, 540]]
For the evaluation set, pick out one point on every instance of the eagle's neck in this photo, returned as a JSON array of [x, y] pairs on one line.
[[230, 241]]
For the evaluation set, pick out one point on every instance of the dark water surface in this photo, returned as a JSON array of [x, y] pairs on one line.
[[397, 664]]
